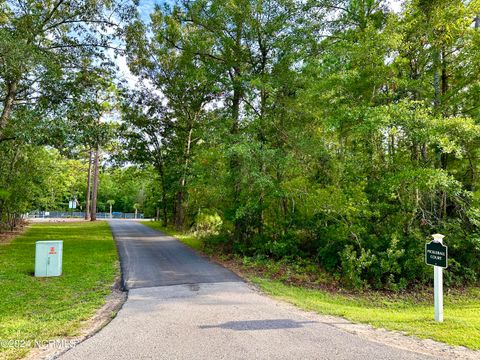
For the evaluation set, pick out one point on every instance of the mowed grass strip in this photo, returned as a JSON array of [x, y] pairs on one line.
[[50, 308], [406, 313]]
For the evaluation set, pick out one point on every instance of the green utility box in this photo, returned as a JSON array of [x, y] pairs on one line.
[[48, 258]]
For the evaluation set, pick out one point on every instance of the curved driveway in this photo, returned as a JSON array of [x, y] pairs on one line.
[[181, 306]]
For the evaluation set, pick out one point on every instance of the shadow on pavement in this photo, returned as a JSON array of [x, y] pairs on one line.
[[259, 324]]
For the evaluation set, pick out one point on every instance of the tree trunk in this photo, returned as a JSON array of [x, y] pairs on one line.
[[93, 216], [164, 204], [235, 168], [7, 105], [159, 166], [235, 161], [89, 186], [444, 73], [436, 80], [180, 213]]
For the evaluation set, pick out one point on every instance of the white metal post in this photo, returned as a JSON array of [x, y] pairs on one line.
[[438, 292], [438, 284]]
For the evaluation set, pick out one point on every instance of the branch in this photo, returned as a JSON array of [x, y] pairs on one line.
[[2, 139], [252, 107], [50, 15], [82, 45], [172, 43], [80, 21]]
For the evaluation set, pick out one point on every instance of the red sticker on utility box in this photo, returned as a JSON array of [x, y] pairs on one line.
[[52, 250]]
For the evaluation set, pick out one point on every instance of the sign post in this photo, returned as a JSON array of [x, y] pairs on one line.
[[436, 254], [72, 204]]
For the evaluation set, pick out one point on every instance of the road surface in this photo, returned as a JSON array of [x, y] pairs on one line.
[[181, 306], [149, 258]]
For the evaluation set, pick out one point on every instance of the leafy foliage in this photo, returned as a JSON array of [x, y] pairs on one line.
[[55, 69]]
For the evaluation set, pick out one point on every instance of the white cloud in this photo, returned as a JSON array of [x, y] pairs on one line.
[[125, 72], [395, 5]]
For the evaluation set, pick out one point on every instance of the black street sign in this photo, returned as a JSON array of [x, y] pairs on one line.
[[436, 254]]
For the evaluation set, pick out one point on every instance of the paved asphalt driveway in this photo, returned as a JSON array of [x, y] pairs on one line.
[[150, 258], [180, 306]]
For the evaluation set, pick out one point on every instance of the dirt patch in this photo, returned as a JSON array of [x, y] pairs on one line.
[[318, 279], [102, 317], [8, 236], [59, 220]]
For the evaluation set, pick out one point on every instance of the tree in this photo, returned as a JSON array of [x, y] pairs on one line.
[[136, 206], [186, 85], [221, 53], [47, 183], [110, 203], [42, 44], [93, 99], [145, 132]]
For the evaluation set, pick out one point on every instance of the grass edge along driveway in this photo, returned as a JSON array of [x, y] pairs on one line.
[[406, 313], [45, 309]]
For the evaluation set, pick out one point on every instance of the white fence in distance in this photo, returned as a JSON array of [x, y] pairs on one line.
[[80, 215]]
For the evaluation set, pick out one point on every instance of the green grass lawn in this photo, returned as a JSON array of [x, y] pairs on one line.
[[410, 314], [49, 308]]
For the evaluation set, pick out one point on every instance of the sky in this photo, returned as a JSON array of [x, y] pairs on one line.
[[146, 6]]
